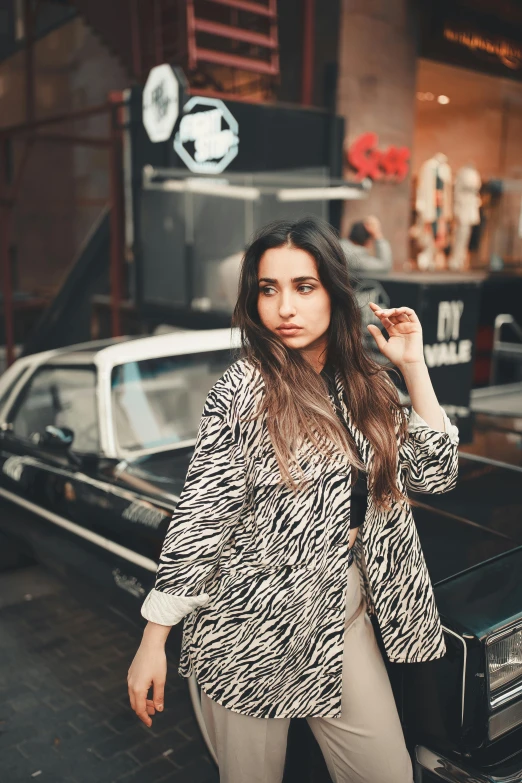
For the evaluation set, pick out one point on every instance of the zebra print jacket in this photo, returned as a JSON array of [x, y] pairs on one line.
[[260, 573]]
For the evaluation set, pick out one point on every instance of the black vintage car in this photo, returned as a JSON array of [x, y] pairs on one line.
[[95, 442]]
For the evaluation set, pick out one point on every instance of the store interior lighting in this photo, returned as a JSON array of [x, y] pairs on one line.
[[429, 96]]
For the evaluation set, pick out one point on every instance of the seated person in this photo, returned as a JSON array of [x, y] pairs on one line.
[[366, 249]]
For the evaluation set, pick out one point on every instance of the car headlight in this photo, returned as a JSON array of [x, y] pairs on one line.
[[504, 660]]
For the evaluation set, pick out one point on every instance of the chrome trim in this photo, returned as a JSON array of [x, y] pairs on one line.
[[105, 486], [502, 698], [447, 770], [506, 631], [88, 535], [464, 520], [464, 667], [493, 462]]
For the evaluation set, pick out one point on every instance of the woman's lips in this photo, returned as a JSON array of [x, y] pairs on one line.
[[288, 331]]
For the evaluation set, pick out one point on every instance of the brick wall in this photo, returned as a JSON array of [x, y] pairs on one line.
[[376, 92]]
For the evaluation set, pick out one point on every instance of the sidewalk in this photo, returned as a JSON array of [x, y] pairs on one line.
[[64, 711]]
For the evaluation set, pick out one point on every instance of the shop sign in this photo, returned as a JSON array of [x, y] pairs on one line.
[[509, 54], [449, 349], [390, 165], [207, 139], [160, 103]]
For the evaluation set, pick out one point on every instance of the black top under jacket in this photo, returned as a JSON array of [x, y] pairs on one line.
[[359, 500]]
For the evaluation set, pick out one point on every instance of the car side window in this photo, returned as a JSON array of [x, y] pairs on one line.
[[63, 397], [6, 393]]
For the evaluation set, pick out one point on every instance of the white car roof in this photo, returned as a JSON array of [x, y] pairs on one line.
[[106, 357], [173, 344]]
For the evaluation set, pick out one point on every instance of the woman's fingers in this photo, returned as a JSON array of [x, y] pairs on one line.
[[394, 316], [141, 707], [159, 695], [377, 336], [401, 313], [131, 698], [151, 710]]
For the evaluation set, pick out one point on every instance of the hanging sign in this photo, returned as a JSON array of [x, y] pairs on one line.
[[160, 103], [207, 139], [391, 165]]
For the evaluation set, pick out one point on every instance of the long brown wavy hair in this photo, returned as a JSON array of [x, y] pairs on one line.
[[296, 400]]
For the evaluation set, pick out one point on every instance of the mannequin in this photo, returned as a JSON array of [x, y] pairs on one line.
[[466, 210], [434, 207]]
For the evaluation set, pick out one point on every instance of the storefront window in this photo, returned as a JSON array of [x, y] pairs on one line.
[[474, 121]]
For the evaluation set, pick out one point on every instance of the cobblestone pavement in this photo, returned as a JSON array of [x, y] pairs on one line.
[[64, 711]]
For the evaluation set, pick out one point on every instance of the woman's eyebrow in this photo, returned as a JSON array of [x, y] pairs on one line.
[[294, 279]]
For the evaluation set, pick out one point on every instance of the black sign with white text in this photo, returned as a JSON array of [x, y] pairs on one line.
[[448, 311]]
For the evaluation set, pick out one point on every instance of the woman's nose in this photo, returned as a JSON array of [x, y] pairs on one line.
[[286, 307]]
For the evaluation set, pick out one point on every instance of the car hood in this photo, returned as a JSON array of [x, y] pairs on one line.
[[480, 519], [472, 543], [484, 599]]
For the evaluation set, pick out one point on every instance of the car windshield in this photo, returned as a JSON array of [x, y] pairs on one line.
[[157, 402]]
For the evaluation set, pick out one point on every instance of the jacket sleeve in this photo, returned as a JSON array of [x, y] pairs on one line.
[[208, 509], [429, 458]]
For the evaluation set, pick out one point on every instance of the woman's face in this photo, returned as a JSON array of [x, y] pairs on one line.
[[292, 302]]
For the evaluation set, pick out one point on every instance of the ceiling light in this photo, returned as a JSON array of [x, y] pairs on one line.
[[443, 99]]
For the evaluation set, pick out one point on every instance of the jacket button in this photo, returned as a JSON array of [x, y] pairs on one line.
[[379, 559]]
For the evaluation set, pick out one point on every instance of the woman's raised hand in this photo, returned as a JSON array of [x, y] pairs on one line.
[[405, 345], [149, 669]]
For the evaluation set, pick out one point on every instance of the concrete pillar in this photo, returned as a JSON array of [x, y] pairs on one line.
[[376, 93]]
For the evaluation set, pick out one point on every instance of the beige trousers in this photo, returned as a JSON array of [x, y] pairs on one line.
[[364, 745]]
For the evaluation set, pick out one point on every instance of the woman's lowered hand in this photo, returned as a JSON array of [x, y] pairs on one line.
[[149, 669]]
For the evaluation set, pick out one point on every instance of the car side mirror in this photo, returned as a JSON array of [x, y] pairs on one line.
[[57, 438]]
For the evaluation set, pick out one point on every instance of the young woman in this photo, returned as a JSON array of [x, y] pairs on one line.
[[259, 556]]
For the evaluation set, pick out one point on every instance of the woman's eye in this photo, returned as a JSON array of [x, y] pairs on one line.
[[267, 290], [305, 289]]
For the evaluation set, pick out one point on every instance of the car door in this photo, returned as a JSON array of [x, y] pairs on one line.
[[35, 480], [64, 503]]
